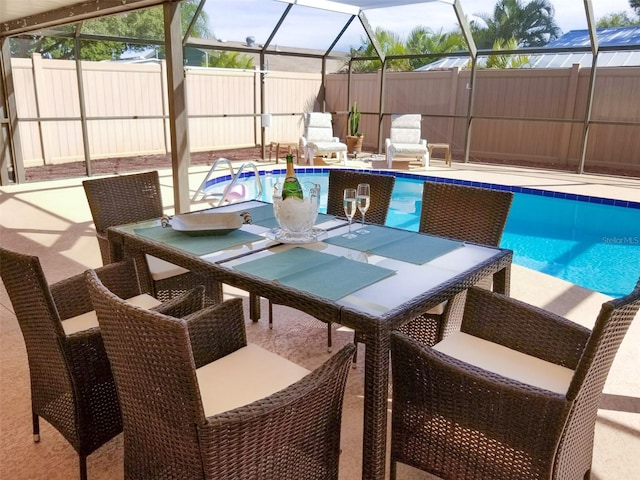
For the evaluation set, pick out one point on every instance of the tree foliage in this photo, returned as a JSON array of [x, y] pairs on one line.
[[620, 19], [423, 40], [531, 24], [141, 24], [226, 59], [506, 61], [390, 43]]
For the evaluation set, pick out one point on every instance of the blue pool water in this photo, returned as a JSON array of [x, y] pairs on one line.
[[594, 245]]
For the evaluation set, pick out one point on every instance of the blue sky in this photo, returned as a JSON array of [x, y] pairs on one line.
[[311, 28]]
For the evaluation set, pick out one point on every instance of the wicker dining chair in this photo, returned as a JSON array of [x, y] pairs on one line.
[[71, 383], [513, 394], [124, 199], [199, 402], [468, 214], [381, 191]]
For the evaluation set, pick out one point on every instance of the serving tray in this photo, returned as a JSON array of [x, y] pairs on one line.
[[207, 223]]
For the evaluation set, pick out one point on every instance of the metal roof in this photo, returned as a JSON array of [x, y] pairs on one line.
[[607, 37]]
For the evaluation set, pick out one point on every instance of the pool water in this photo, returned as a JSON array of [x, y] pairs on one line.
[[592, 245]]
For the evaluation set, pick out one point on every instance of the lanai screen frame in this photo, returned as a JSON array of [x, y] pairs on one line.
[[175, 40]]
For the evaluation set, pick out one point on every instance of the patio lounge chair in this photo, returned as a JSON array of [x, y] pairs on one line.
[[318, 138], [514, 394], [198, 402], [405, 139]]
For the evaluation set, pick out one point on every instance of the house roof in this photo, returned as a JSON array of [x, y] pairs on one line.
[[607, 37]]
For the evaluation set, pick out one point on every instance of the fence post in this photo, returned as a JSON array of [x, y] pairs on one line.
[[164, 98], [11, 146], [38, 86], [453, 101], [569, 112]]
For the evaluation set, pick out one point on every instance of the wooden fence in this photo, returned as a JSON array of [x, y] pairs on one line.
[[553, 102], [521, 114]]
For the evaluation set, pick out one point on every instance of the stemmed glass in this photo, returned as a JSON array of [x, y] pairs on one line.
[[363, 200], [350, 200]]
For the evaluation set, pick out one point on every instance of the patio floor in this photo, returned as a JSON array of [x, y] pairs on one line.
[[52, 220]]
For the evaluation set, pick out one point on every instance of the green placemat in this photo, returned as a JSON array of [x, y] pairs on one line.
[[199, 245], [265, 217], [318, 273], [399, 244]]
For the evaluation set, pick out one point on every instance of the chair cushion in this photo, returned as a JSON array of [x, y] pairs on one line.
[[318, 119], [318, 127], [90, 320], [407, 120], [438, 309], [405, 135], [408, 148], [319, 134], [244, 376], [327, 146], [506, 362], [161, 270]]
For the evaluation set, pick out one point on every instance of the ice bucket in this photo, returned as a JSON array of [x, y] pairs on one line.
[[296, 217]]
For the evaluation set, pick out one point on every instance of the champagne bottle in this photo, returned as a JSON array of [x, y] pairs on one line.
[[291, 186]]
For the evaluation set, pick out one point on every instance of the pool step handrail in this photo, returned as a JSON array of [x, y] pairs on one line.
[[200, 194], [236, 178]]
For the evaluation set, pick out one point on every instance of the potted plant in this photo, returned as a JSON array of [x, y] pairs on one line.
[[355, 137]]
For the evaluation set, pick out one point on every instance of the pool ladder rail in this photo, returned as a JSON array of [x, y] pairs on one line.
[[227, 196]]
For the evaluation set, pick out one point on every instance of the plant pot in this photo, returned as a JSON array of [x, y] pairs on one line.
[[354, 144]]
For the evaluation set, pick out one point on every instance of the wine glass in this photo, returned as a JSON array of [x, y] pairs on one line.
[[350, 200], [363, 198]]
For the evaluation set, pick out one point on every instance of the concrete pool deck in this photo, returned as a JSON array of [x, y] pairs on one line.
[[52, 220]]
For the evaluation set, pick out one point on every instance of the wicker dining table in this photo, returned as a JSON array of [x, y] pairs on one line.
[[373, 285]]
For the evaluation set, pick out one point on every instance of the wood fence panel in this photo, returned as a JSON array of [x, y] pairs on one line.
[[57, 85], [26, 105], [556, 96], [106, 96], [215, 92], [290, 95]]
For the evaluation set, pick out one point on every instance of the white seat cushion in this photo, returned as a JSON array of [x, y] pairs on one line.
[[244, 376], [407, 120], [160, 270], [319, 134], [408, 148], [327, 146], [90, 320], [438, 309], [506, 362], [318, 127]]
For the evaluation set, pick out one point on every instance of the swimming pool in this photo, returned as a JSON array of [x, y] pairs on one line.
[[591, 242]]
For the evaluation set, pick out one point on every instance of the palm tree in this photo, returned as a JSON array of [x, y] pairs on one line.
[[506, 61], [531, 24], [390, 43], [424, 40], [230, 60]]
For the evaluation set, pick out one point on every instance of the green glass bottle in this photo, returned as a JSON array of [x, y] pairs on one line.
[[291, 186]]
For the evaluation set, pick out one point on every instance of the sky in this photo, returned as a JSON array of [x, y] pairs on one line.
[[235, 20]]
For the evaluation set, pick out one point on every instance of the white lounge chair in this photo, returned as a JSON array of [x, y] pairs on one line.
[[405, 139], [318, 138]]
